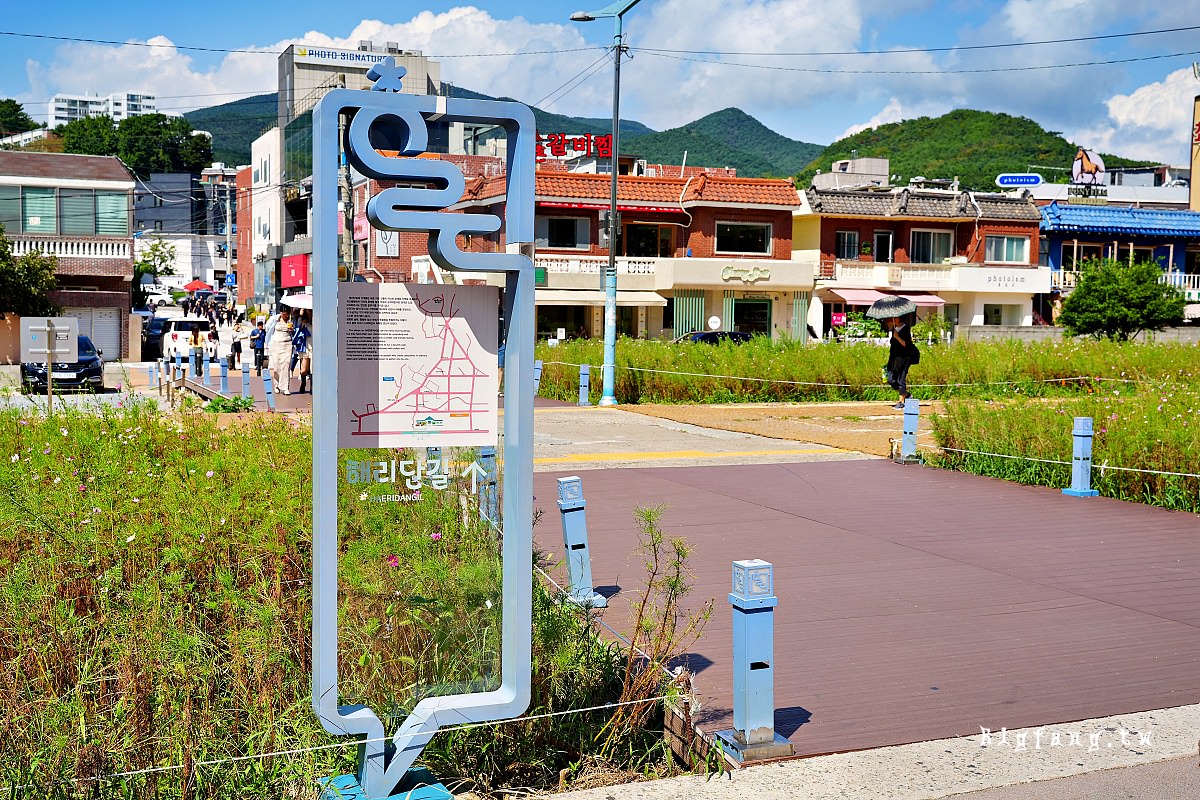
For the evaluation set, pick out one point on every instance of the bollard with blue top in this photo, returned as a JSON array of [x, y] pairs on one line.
[[1081, 460], [269, 390], [245, 379], [575, 545], [584, 384], [908, 442], [488, 500], [207, 378], [753, 599], [434, 455], [224, 378], [537, 376]]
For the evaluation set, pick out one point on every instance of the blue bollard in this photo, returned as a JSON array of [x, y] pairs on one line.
[[753, 599], [1081, 460], [224, 378], [179, 359], [153, 373], [537, 376], [575, 545], [908, 442], [584, 381], [487, 486], [269, 388], [245, 379], [207, 370]]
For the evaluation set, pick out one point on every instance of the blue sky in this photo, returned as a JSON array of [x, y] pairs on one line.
[[771, 58]]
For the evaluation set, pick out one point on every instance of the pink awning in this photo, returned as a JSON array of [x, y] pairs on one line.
[[924, 298], [858, 297]]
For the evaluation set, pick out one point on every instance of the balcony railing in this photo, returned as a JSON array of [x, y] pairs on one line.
[[594, 265], [880, 273], [1065, 280], [73, 248]]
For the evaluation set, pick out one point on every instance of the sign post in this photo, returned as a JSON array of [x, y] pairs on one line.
[[44, 339], [357, 327]]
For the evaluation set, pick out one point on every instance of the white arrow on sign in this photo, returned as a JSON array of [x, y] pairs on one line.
[[476, 472]]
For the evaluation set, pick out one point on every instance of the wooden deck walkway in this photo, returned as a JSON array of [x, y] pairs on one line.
[[915, 603]]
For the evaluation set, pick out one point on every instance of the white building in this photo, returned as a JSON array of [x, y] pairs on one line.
[[64, 108]]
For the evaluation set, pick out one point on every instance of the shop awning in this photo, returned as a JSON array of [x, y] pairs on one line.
[[858, 297], [595, 297], [924, 298]]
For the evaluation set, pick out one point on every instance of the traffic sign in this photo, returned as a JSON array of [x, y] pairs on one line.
[[1010, 180]]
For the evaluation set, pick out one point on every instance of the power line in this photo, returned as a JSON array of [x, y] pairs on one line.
[[907, 50], [83, 40], [826, 71], [594, 67]]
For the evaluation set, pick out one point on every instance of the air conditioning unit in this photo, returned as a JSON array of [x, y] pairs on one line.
[[639, 167]]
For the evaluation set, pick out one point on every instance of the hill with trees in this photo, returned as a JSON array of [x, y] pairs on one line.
[[727, 138], [975, 146], [235, 125]]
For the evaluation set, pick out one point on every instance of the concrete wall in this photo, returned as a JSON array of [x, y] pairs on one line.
[[977, 333], [10, 339]]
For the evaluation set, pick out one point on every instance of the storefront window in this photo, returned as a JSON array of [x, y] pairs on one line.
[[744, 237]]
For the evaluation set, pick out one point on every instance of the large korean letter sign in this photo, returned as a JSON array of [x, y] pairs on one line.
[[384, 111]]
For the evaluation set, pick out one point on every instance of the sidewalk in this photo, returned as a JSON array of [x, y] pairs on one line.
[[916, 605]]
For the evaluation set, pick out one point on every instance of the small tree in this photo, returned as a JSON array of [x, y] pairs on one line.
[[25, 281], [157, 260], [13, 118], [1115, 300]]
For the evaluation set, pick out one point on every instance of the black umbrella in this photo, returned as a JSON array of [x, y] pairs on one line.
[[891, 306]]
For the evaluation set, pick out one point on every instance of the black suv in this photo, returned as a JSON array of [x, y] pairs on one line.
[[86, 374], [152, 334]]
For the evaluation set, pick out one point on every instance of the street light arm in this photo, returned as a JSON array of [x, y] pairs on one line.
[[612, 10]]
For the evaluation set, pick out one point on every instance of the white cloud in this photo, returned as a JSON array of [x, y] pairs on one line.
[[892, 112], [1153, 122]]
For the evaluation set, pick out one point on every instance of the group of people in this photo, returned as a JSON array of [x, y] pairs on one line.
[[285, 342], [207, 308]]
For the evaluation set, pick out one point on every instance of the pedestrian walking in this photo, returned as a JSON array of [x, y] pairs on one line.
[[302, 346], [258, 341], [239, 336], [279, 332], [903, 354]]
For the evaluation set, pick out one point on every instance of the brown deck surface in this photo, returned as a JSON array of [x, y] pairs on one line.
[[915, 603]]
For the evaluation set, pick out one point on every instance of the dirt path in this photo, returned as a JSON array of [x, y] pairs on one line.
[[863, 426]]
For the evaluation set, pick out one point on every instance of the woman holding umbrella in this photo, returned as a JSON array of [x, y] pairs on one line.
[[903, 352]]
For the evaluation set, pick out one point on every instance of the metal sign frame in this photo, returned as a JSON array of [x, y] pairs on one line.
[[383, 764]]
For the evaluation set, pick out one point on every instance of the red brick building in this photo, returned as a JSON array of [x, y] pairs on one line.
[[77, 209]]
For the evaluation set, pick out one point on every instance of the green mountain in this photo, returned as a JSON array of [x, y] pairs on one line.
[[235, 125], [727, 138], [976, 146]]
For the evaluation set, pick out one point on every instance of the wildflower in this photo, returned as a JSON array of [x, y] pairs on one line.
[[137, 500], [130, 537], [58, 480], [436, 537], [46, 452], [24, 422], [95, 510], [362, 496], [393, 561], [15, 457], [82, 488], [208, 474], [85, 521], [63, 431]]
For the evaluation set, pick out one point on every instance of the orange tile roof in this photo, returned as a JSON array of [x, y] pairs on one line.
[[703, 190]]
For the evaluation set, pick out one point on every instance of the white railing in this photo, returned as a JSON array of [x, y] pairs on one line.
[[1065, 280], [73, 248], [594, 265], [883, 274]]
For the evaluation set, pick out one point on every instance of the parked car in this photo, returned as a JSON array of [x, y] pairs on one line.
[[158, 296], [715, 337], [176, 333], [152, 334], [220, 299], [85, 374]]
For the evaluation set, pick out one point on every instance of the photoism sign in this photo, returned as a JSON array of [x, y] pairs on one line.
[[415, 365]]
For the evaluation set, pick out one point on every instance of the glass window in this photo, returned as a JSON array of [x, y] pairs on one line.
[[563, 233], [10, 209], [77, 211], [38, 212], [1075, 254], [847, 244], [744, 237], [1007, 249], [930, 247], [112, 214]]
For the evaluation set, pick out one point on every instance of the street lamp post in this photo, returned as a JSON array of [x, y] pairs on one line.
[[616, 11]]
